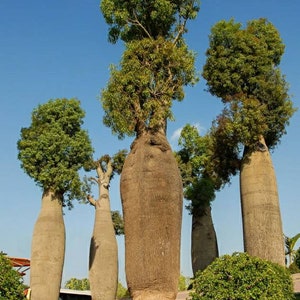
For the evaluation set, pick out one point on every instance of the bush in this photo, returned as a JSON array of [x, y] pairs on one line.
[[242, 277], [11, 283], [183, 283], [122, 292], [293, 268]]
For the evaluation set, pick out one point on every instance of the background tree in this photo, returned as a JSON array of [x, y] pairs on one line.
[[137, 102], [118, 222], [199, 188], [52, 150], [242, 69], [84, 284], [78, 284], [103, 258], [290, 244], [297, 259], [11, 282]]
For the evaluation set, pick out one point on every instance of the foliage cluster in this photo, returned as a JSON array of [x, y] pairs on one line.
[[78, 284], [242, 277], [242, 69], [54, 147], [139, 94], [155, 65], [193, 159], [118, 222], [11, 282], [183, 283], [136, 20]]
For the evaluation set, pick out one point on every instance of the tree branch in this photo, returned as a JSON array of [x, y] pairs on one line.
[[137, 23], [91, 200]]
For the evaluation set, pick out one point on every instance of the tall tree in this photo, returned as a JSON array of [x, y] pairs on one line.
[[103, 259], [137, 102], [52, 150], [242, 69], [199, 188]]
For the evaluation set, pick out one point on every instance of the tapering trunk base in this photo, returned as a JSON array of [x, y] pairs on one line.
[[263, 235], [151, 192], [204, 248], [47, 250]]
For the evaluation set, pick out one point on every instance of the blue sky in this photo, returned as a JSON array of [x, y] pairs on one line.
[[59, 48]]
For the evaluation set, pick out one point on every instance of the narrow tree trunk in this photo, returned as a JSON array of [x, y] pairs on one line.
[[262, 226], [48, 249], [151, 192], [204, 240], [103, 259]]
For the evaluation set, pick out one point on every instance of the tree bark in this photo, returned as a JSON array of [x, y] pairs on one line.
[[103, 258], [262, 226], [48, 249], [204, 240], [151, 192]]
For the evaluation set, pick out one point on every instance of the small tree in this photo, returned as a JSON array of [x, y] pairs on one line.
[[11, 283], [199, 187], [52, 150], [103, 258], [242, 277], [290, 243]]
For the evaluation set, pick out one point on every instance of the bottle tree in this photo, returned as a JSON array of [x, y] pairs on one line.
[[137, 101], [103, 258], [52, 150], [199, 189], [204, 171], [242, 69]]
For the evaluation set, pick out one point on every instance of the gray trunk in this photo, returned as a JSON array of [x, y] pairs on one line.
[[103, 261], [262, 226], [151, 191], [204, 240], [47, 250]]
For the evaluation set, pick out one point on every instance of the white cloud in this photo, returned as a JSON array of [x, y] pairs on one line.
[[176, 134]]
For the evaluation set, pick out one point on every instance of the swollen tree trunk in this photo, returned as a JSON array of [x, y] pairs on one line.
[[48, 249], [262, 226], [103, 259], [204, 240], [151, 192]]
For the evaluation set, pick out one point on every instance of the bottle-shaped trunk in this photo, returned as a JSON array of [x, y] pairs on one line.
[[204, 246], [48, 249], [262, 226], [103, 259], [151, 192]]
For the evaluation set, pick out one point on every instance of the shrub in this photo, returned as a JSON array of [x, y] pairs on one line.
[[242, 277], [293, 268], [11, 283]]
